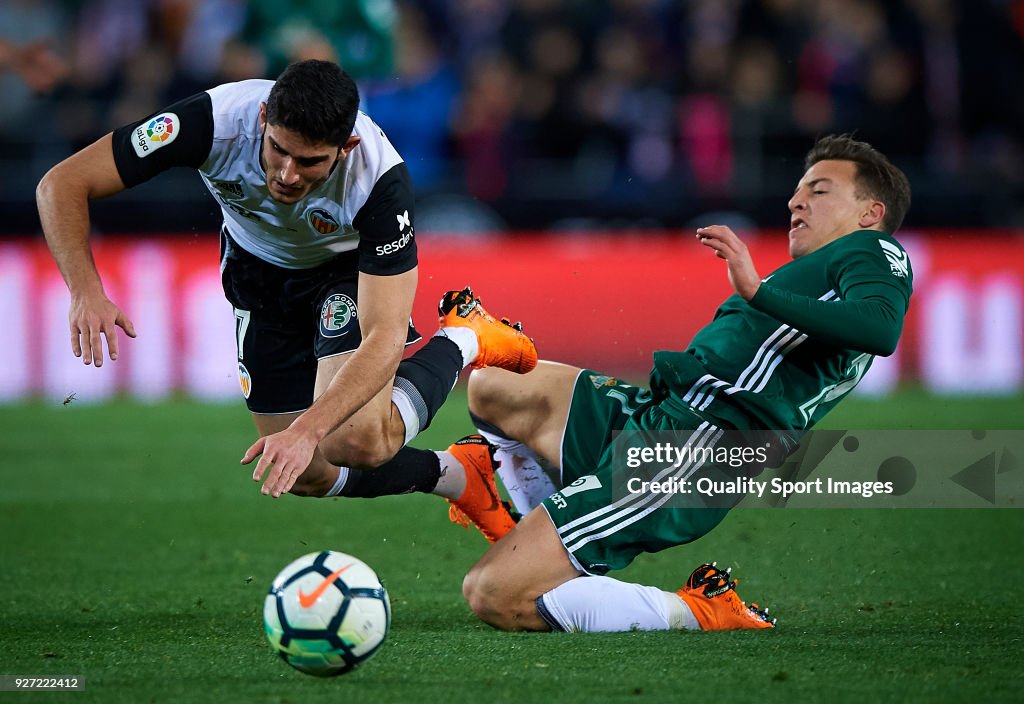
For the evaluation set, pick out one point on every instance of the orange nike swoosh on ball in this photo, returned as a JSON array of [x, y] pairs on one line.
[[307, 600]]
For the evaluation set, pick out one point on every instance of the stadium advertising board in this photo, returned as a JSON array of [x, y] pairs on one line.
[[603, 300]]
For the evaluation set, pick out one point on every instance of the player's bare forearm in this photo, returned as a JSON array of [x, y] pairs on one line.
[[64, 214], [62, 197], [385, 306]]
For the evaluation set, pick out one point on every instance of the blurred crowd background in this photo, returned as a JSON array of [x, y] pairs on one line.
[[562, 114]]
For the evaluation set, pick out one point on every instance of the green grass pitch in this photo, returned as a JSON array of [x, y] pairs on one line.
[[136, 552]]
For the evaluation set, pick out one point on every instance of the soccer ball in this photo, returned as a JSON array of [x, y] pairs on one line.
[[326, 613]]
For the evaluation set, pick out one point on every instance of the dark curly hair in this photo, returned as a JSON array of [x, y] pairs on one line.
[[317, 99], [876, 177]]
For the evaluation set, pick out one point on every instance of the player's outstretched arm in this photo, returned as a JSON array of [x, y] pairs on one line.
[[385, 306], [62, 197], [869, 318], [728, 246]]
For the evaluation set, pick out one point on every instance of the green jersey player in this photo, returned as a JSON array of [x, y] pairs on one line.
[[778, 355]]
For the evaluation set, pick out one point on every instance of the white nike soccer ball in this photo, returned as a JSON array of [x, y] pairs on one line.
[[326, 613]]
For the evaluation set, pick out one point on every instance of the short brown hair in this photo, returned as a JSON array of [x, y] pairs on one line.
[[876, 177]]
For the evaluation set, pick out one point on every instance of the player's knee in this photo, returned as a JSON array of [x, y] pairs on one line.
[[488, 393], [481, 599], [487, 597]]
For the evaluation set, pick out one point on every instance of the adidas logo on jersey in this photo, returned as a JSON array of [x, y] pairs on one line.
[[899, 263]]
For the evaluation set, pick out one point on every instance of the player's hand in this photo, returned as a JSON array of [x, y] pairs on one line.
[[286, 454], [93, 318], [728, 246], [39, 66]]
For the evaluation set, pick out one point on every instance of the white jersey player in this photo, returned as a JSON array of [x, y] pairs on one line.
[[318, 260]]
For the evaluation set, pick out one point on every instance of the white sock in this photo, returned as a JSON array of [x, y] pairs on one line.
[[522, 471], [604, 605], [403, 404], [466, 341], [339, 483], [679, 615], [452, 482]]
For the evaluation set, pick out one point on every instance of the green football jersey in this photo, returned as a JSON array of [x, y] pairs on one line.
[[783, 360]]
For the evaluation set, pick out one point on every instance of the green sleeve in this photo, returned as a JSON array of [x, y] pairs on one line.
[[868, 317]]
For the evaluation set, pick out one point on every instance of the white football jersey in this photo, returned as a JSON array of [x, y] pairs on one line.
[[365, 204]]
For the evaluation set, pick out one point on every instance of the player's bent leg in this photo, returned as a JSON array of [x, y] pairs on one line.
[[319, 476], [530, 408], [526, 582], [372, 435], [503, 586], [369, 438]]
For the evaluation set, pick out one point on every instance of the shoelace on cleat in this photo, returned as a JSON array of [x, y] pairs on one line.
[[462, 302], [468, 307], [714, 581]]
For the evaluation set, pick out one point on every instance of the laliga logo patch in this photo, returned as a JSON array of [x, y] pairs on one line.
[[244, 380], [337, 315], [322, 221], [158, 132]]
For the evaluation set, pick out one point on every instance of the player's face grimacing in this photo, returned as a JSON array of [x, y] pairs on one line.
[[826, 205], [294, 165]]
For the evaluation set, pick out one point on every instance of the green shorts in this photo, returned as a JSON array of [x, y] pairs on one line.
[[603, 526]]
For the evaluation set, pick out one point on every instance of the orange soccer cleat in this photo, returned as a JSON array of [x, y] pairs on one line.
[[502, 344], [479, 503], [711, 596]]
